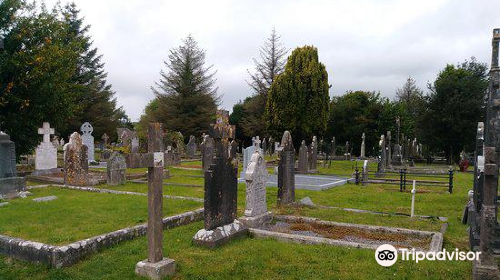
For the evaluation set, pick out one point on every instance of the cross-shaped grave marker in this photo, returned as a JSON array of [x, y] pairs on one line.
[[46, 131], [156, 266]]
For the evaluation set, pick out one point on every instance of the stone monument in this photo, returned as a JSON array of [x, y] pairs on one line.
[[116, 168], [76, 165], [303, 166], [88, 140], [221, 188], [207, 152], [362, 152], [286, 170], [45, 153], [313, 155], [256, 213], [191, 147], [10, 183]]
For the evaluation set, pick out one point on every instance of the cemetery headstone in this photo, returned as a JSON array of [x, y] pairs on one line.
[[264, 146], [105, 138], [256, 213], [10, 183], [382, 159], [55, 142], [75, 162], [116, 168], [347, 153], [313, 155], [389, 149], [270, 145], [303, 166], [364, 177], [362, 152], [134, 144], [207, 152], [191, 147], [45, 153], [286, 170], [88, 140], [221, 188]]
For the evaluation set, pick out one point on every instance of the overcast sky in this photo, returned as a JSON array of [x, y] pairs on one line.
[[365, 45]]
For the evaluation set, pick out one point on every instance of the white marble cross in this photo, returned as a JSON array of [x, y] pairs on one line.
[[46, 130], [257, 141]]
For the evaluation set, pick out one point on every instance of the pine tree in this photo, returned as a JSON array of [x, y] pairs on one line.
[[186, 93], [298, 100], [411, 96], [267, 68], [96, 101]]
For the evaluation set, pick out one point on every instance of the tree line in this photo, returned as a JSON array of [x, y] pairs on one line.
[[50, 72]]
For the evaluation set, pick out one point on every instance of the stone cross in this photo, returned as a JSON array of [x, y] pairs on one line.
[[105, 138], [286, 170], [256, 141], [154, 161], [389, 149], [46, 130], [88, 140]]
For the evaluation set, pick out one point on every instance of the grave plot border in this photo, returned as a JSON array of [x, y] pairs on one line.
[[435, 245], [67, 255]]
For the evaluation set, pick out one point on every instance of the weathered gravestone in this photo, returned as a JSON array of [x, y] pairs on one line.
[[286, 170], [76, 165], [382, 159], [256, 213], [191, 147], [264, 146], [156, 266], [105, 138], [389, 149], [270, 145], [116, 168], [125, 136], [106, 154], [134, 144], [303, 166], [221, 188], [364, 178], [347, 154], [313, 155], [46, 153], [486, 267], [362, 152], [207, 152], [88, 140], [10, 184]]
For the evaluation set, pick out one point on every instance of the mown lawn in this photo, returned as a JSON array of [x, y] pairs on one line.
[[76, 215], [269, 259]]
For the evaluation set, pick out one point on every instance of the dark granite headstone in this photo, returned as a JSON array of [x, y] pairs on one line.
[[10, 184], [221, 188], [286, 170]]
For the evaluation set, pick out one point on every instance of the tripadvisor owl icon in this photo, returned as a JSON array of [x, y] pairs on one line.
[[386, 255]]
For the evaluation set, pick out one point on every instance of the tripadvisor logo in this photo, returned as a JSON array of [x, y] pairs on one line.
[[387, 255]]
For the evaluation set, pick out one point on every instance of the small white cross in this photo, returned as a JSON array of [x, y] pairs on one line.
[[46, 131]]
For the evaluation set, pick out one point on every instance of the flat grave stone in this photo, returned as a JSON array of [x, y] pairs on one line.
[[45, 198]]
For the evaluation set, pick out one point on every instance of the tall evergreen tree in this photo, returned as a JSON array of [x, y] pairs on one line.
[[299, 98], [186, 93], [96, 101], [454, 107], [270, 64]]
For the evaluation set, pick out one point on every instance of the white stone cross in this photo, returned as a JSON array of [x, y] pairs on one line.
[[46, 130], [86, 128], [257, 141]]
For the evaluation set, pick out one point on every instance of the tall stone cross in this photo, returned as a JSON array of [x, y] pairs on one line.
[[46, 131], [154, 161], [362, 153]]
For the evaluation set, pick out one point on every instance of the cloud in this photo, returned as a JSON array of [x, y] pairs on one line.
[[367, 45]]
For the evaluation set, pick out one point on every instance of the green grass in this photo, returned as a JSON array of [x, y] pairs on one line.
[[241, 259], [76, 215], [256, 258]]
